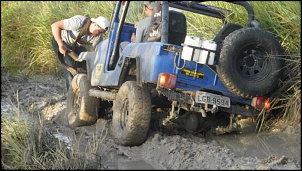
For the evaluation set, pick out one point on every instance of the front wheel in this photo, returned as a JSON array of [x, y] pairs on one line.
[[81, 108], [131, 114]]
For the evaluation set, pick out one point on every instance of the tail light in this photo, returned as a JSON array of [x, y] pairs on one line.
[[261, 103], [166, 80]]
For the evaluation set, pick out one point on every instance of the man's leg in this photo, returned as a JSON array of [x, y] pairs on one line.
[[68, 60], [68, 76]]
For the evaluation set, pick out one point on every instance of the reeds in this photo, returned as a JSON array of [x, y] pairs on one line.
[[26, 144]]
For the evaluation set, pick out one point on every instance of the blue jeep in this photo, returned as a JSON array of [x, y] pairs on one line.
[[235, 72]]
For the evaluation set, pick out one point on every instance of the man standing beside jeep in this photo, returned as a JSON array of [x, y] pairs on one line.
[[73, 34]]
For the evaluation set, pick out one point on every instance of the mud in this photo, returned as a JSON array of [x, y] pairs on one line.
[[45, 97]]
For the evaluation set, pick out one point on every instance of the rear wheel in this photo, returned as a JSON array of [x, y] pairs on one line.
[[131, 114], [81, 109], [250, 62], [191, 123]]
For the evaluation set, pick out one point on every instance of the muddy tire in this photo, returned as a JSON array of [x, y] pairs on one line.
[[131, 115], [81, 108], [191, 123], [250, 62]]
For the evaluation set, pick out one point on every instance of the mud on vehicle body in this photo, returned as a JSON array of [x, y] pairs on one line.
[[127, 86]]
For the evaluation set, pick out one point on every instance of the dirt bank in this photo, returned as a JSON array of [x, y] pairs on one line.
[[45, 95]]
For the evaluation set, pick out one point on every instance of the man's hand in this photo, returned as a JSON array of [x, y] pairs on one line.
[[133, 37], [63, 49]]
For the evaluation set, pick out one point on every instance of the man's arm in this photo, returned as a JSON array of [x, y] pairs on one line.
[[56, 31], [139, 33], [133, 36]]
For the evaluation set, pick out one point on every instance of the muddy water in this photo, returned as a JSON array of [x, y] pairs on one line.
[[135, 165], [261, 145]]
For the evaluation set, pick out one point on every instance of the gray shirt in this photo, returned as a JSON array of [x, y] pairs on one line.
[[72, 27], [142, 30]]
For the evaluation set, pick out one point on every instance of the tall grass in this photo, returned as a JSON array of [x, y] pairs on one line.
[[284, 20], [26, 33], [27, 145]]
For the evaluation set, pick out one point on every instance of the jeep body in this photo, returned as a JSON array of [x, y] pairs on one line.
[[148, 75]]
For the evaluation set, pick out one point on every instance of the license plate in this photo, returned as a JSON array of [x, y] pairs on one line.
[[213, 99]]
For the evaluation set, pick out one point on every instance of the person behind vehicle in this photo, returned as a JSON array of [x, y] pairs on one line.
[[66, 37], [142, 27]]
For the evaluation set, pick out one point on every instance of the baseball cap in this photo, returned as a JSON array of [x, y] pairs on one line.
[[102, 22], [150, 4]]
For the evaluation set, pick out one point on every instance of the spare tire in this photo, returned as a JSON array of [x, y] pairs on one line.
[[250, 62]]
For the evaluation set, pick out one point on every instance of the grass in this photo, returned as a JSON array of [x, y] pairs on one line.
[[27, 145], [26, 41], [26, 48]]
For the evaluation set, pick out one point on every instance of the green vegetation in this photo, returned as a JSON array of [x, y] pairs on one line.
[[26, 48], [27, 145], [26, 33]]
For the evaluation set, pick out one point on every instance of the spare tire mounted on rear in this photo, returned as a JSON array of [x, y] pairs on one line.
[[250, 62]]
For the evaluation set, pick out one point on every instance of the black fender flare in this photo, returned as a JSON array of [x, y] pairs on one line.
[[128, 63]]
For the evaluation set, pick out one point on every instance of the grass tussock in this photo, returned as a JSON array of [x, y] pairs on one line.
[[27, 145], [21, 148]]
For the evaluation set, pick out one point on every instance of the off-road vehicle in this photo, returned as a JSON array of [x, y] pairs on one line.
[[233, 73]]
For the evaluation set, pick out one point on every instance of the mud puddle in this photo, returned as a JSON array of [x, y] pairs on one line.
[[260, 145]]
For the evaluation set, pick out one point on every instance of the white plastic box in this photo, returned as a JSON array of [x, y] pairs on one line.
[[200, 51], [190, 53], [206, 54]]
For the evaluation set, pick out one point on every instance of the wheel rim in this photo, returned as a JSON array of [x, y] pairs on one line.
[[253, 63], [124, 114]]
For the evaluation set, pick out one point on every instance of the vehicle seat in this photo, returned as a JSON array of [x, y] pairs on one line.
[[177, 28]]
